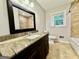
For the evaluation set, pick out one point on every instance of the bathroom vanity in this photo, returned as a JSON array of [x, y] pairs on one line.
[[35, 46]]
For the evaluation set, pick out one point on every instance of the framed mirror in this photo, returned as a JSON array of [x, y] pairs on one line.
[[20, 19]]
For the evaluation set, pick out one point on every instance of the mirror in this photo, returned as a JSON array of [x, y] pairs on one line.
[[20, 19]]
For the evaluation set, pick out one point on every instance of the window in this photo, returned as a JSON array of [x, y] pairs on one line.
[[58, 19]]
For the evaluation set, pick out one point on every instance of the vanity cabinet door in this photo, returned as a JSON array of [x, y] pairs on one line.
[[46, 45], [35, 55], [38, 53]]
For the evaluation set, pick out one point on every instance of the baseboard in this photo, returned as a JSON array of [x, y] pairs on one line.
[[61, 41]]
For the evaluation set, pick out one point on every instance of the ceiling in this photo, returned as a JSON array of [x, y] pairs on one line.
[[51, 4]]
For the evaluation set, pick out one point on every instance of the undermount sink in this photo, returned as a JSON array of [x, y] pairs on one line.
[[32, 36]]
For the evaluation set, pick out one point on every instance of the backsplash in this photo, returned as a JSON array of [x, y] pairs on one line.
[[11, 36]]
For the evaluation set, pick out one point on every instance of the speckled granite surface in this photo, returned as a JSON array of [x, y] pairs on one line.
[[13, 46]]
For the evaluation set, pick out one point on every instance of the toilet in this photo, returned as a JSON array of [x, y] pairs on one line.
[[52, 39]]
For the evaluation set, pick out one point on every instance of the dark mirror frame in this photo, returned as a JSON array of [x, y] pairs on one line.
[[11, 18]]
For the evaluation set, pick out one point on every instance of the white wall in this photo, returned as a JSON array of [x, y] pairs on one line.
[[4, 25], [40, 17], [57, 31]]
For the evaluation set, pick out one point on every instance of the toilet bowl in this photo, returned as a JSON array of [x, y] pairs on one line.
[[51, 39]]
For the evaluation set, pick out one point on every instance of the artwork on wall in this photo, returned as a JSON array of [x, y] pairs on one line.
[[59, 19]]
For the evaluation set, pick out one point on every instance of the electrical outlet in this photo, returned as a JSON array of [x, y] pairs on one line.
[[61, 36]]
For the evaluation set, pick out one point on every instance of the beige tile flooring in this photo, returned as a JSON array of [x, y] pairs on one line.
[[61, 51]]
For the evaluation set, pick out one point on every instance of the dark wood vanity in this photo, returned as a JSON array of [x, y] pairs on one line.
[[37, 50]]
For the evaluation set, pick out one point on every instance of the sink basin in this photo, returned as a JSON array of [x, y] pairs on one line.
[[32, 36]]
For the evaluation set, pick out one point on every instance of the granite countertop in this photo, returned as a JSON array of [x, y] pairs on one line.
[[13, 46]]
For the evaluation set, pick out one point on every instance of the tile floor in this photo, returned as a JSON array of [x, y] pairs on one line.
[[61, 51]]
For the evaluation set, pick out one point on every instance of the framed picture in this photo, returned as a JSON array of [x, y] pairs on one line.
[[59, 19]]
